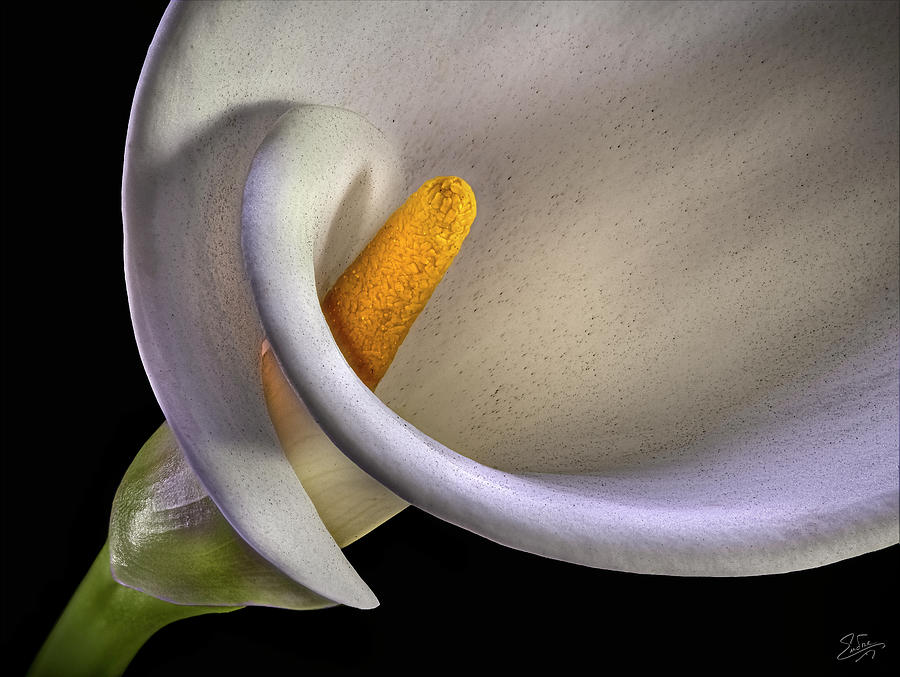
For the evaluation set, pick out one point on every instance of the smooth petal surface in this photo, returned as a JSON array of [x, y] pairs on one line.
[[669, 343], [168, 539]]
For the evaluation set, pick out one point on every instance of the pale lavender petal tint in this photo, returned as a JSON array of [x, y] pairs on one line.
[[669, 344]]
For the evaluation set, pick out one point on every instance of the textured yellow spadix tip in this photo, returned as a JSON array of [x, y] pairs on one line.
[[373, 304]]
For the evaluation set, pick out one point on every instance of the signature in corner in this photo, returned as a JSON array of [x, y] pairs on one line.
[[858, 647]]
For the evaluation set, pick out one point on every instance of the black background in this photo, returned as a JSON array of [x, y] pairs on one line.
[[77, 406]]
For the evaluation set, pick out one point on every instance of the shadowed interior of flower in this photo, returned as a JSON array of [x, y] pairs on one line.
[[349, 502]]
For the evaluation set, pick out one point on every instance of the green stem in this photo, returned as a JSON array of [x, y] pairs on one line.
[[104, 625]]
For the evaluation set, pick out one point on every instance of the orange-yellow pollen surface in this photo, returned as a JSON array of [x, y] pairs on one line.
[[372, 306]]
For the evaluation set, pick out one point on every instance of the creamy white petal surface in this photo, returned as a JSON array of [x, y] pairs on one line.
[[669, 343]]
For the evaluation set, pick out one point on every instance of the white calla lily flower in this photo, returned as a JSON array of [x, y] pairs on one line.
[[669, 343]]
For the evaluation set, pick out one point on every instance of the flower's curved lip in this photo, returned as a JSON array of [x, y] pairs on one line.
[[590, 519], [627, 529], [572, 518]]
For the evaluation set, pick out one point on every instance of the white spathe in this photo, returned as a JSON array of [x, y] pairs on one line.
[[669, 343]]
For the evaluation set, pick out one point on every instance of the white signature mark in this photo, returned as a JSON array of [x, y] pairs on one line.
[[856, 646]]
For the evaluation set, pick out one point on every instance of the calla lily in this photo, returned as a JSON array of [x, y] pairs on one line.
[[669, 344]]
